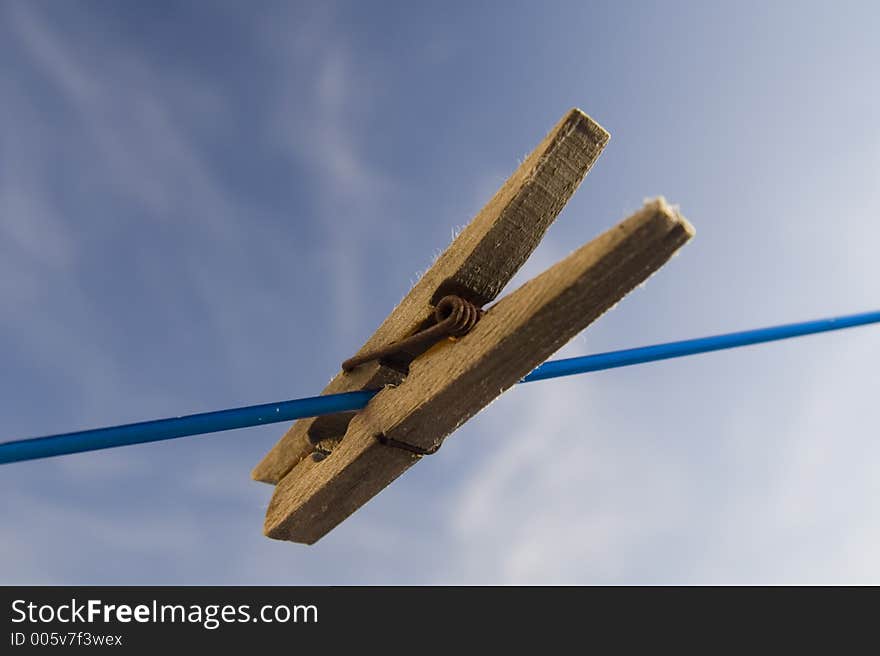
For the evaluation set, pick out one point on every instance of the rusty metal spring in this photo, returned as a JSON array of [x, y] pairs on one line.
[[454, 317]]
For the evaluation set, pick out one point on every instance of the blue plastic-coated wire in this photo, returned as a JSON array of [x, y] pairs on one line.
[[167, 429], [642, 354], [268, 413]]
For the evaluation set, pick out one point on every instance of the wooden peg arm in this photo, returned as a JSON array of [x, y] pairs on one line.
[[454, 380], [477, 265]]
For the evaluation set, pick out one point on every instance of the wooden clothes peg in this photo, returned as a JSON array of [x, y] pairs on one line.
[[325, 468]]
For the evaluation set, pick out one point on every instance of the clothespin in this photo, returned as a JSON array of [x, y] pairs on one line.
[[444, 353]]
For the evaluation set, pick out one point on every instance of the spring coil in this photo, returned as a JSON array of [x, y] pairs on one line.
[[453, 316]]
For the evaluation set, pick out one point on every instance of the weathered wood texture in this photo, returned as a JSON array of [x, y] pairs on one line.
[[477, 265], [455, 379]]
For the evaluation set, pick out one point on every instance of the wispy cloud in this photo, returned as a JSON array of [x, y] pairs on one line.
[[323, 100]]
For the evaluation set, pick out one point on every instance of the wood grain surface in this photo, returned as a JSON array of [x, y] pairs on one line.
[[456, 378], [477, 265]]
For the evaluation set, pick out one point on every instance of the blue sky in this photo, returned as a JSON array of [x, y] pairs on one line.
[[206, 205]]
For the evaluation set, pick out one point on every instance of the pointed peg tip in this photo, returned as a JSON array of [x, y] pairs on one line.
[[661, 209], [580, 120]]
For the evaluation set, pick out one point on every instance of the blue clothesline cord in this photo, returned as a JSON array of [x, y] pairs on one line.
[[269, 413], [642, 354]]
